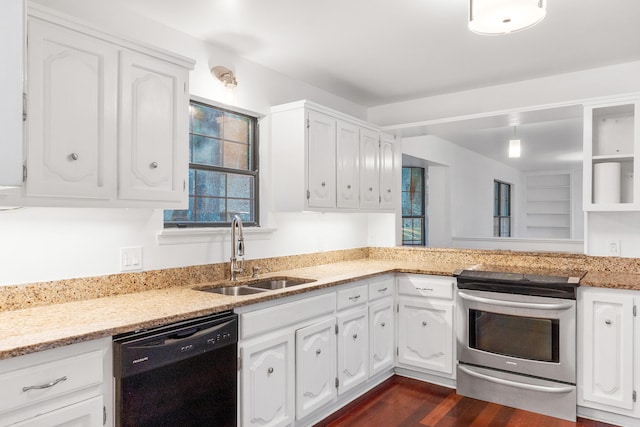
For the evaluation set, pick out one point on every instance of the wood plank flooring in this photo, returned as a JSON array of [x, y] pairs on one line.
[[403, 402]]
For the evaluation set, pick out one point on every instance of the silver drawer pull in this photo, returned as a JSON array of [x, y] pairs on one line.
[[323, 183], [425, 289], [355, 336], [318, 351], [424, 323], [154, 165], [74, 156], [382, 290], [270, 370], [348, 187], [383, 324], [608, 322], [354, 298], [48, 385]]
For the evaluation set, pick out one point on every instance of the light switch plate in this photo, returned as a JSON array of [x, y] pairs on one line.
[[613, 247], [131, 259]]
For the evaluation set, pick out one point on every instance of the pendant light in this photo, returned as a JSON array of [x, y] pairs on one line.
[[514, 145], [495, 17]]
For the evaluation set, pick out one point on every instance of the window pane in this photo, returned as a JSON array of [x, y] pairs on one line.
[[210, 183], [185, 215], [496, 199], [416, 204], [205, 120], [240, 207], [504, 199], [505, 227], [210, 209], [236, 128], [496, 226], [236, 155], [205, 150], [239, 186], [406, 203], [416, 180], [406, 179]]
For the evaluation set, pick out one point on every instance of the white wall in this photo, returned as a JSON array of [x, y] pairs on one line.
[[42, 244], [470, 176]]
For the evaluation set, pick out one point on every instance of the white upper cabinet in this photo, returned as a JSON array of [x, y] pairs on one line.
[[72, 116], [369, 169], [611, 145], [348, 163], [11, 87], [107, 120], [390, 170], [152, 165], [321, 160], [324, 160]]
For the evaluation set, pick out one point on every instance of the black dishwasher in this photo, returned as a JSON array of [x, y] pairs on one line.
[[183, 374]]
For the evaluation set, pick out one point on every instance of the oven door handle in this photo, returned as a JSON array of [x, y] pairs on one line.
[[538, 306], [532, 387]]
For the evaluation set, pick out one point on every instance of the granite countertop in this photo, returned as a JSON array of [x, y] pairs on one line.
[[39, 328], [31, 328]]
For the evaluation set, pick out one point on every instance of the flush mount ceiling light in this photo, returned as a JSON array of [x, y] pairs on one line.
[[514, 145], [494, 17], [225, 75]]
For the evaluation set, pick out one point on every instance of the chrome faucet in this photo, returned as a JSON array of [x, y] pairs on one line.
[[237, 248]]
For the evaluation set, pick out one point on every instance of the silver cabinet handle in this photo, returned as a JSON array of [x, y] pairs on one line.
[[48, 385], [383, 324], [425, 289], [270, 370], [354, 298], [370, 188], [514, 304], [318, 351], [323, 183], [355, 336], [388, 190], [607, 322], [542, 388], [74, 156], [154, 165], [348, 187], [382, 290], [424, 323]]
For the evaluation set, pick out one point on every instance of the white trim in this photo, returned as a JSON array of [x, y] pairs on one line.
[[232, 108], [182, 236]]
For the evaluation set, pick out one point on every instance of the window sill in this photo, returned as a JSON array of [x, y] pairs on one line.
[[180, 236]]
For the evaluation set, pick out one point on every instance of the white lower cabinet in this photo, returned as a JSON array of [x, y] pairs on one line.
[[381, 336], [608, 340], [425, 323], [353, 349], [315, 366], [67, 386], [267, 375]]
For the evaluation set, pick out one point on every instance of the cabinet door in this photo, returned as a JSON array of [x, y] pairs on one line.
[[348, 151], [369, 169], [315, 366], [425, 335], [353, 349], [267, 381], [388, 188], [87, 413], [153, 162], [11, 51], [608, 349], [381, 336], [321, 160], [72, 117]]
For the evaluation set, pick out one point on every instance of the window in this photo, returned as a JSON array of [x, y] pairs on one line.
[[413, 217], [501, 209], [223, 169]]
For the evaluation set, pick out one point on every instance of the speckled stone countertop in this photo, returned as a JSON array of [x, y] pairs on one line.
[[36, 317]]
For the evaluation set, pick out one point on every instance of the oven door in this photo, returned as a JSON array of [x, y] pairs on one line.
[[518, 333]]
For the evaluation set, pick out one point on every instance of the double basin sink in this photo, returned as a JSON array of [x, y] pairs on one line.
[[257, 286]]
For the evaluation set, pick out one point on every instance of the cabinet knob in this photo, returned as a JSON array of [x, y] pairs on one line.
[[607, 322], [355, 336], [74, 156], [323, 183], [154, 165], [370, 188], [348, 187], [383, 324], [388, 190], [270, 370], [424, 323], [318, 351]]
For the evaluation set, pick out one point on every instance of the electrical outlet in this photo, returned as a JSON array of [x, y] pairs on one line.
[[613, 247], [131, 259]]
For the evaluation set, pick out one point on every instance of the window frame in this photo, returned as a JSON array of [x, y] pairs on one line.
[[499, 215], [414, 217], [254, 171]]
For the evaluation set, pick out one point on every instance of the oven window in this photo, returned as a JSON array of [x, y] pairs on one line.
[[524, 337]]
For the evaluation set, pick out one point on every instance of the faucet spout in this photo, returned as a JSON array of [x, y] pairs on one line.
[[237, 247]]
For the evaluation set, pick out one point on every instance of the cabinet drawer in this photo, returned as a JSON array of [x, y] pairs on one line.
[[426, 286], [352, 297], [44, 381], [381, 288]]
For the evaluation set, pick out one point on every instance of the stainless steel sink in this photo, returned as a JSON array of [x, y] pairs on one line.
[[233, 291], [278, 283]]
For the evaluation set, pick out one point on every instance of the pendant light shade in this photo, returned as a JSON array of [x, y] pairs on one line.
[[514, 148], [494, 17]]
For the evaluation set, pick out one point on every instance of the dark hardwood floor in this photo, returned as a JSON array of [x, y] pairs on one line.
[[405, 402]]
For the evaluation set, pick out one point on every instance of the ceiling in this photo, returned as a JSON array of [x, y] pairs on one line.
[[374, 52]]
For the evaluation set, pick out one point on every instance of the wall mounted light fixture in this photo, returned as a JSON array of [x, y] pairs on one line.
[[494, 17], [225, 75]]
